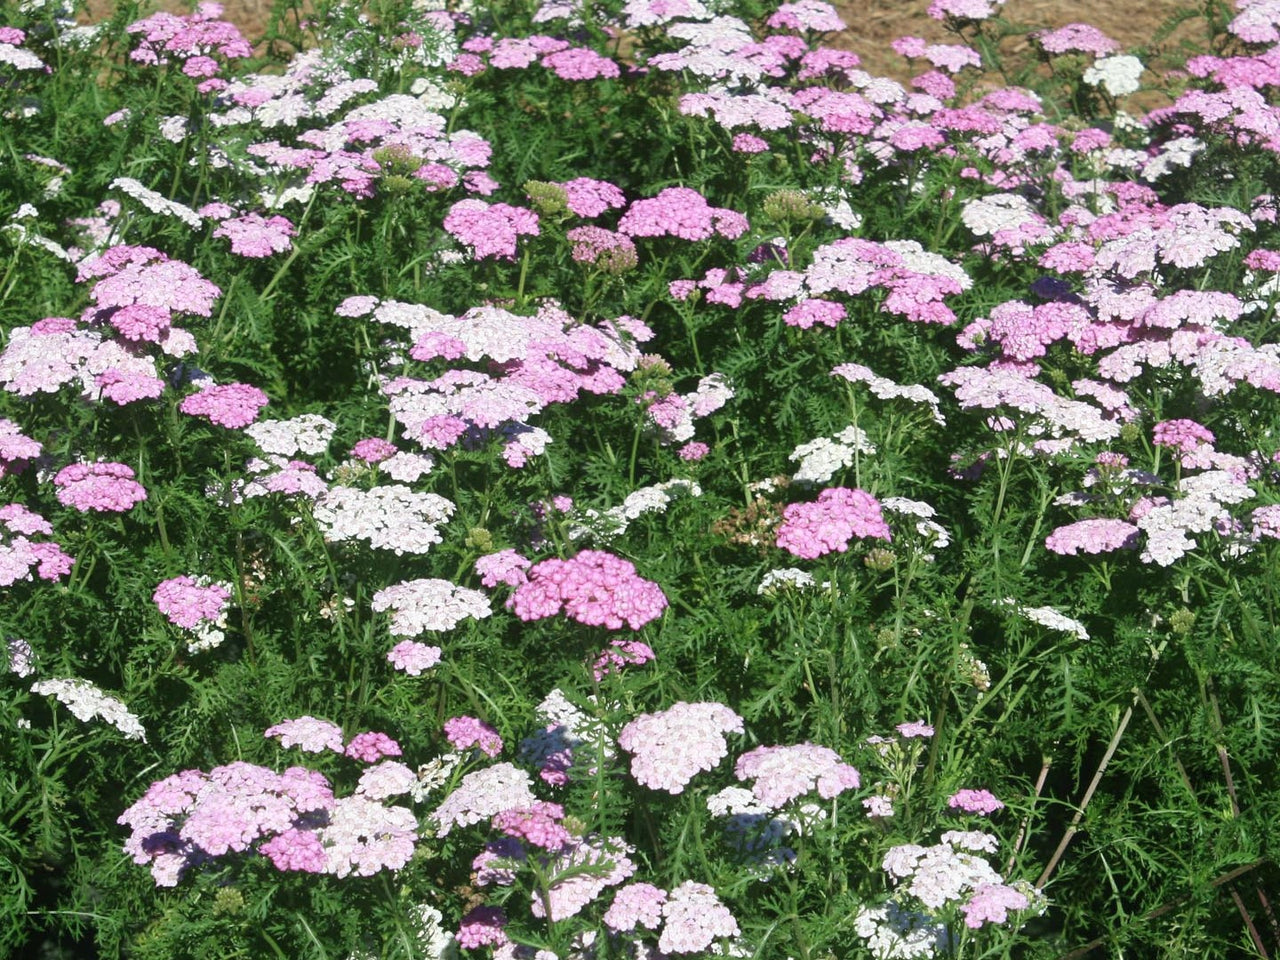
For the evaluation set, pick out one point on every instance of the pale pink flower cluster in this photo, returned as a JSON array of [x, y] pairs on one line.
[[429, 604], [413, 657], [98, 487], [187, 603], [975, 801], [505, 566], [693, 918], [482, 795], [808, 16], [16, 448], [1094, 535], [594, 588], [579, 873], [669, 747], [190, 816], [308, 733], [1076, 38], [635, 905], [371, 746], [828, 524], [783, 774]]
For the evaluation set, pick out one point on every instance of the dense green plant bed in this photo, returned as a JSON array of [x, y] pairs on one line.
[[592, 481]]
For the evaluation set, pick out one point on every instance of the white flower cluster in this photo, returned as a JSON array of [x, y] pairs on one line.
[[821, 459], [309, 434], [892, 932], [1200, 507], [87, 702], [423, 605], [887, 389], [987, 216], [785, 578], [1117, 75], [1051, 619], [157, 203], [929, 529], [390, 517], [614, 521]]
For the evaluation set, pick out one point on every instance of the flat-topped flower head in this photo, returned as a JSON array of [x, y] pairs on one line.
[[230, 405], [594, 588], [669, 747], [308, 733], [810, 530], [101, 487]]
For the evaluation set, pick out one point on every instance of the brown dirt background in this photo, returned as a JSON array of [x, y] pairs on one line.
[[873, 24]]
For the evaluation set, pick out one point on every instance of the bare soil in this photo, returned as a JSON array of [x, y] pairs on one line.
[[1142, 26]]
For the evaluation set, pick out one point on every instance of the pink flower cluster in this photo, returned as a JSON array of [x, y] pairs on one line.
[[187, 603], [463, 733], [975, 801], [537, 825], [594, 588], [619, 655], [16, 448], [231, 405], [193, 40], [490, 230], [681, 212], [810, 530], [413, 657], [191, 816], [99, 487], [18, 554], [691, 916], [669, 747], [253, 235]]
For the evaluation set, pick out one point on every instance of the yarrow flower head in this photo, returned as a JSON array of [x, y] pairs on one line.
[[975, 801], [466, 732], [231, 405], [490, 230], [668, 748], [681, 212], [254, 235], [187, 603], [693, 919], [810, 530], [87, 703], [99, 487], [783, 774], [413, 657], [309, 733], [594, 588]]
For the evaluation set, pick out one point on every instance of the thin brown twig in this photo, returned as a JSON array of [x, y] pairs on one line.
[[1084, 803], [1026, 820]]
